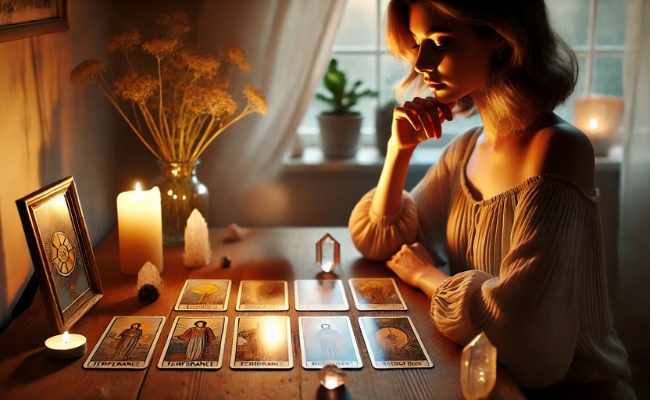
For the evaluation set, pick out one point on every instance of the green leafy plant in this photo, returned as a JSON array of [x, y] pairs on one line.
[[341, 101]]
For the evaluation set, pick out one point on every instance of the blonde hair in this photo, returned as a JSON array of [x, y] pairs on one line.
[[537, 70]]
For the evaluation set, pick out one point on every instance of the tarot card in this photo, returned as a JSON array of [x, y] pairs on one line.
[[204, 295], [393, 342], [263, 296], [328, 340], [127, 342], [320, 295], [195, 343], [376, 294], [262, 343]]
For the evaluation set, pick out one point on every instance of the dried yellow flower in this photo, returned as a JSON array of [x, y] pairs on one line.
[[88, 71], [126, 41], [135, 88], [210, 101], [235, 55], [160, 47], [256, 99], [203, 64]]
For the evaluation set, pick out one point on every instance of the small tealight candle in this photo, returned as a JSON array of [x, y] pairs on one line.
[[139, 222], [66, 346]]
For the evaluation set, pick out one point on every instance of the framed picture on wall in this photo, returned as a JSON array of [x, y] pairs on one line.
[[21, 19], [61, 251]]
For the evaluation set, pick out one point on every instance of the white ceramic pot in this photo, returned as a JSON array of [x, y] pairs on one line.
[[339, 134]]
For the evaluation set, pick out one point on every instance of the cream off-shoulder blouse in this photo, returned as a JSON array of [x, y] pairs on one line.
[[527, 268]]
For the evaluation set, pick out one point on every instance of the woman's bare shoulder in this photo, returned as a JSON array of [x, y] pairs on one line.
[[562, 149]]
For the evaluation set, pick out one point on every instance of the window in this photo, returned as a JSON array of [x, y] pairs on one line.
[[595, 29]]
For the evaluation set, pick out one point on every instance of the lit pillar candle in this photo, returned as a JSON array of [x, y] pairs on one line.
[[139, 223], [65, 346]]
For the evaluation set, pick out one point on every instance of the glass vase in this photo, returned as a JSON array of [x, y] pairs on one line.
[[180, 193]]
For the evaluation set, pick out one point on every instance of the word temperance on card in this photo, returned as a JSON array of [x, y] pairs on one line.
[[195, 343], [376, 294], [127, 343]]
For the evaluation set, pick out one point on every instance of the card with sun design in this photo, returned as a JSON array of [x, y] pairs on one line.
[[204, 295]]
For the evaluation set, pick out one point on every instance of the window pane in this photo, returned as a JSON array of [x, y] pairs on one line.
[[607, 76], [355, 67], [392, 71], [359, 24], [610, 22], [383, 5], [570, 19]]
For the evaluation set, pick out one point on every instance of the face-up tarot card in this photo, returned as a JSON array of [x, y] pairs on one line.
[[127, 342], [204, 295], [263, 296], [320, 295], [195, 343], [262, 343], [393, 342], [376, 294], [328, 340]]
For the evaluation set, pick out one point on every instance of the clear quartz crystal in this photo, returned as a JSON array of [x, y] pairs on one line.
[[478, 368], [328, 253], [149, 274], [197, 241], [332, 376]]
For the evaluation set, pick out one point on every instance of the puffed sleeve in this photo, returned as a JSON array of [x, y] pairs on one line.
[[531, 312]]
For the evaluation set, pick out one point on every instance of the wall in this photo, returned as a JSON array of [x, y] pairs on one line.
[[50, 129]]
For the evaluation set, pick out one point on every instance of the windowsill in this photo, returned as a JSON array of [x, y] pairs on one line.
[[369, 159]]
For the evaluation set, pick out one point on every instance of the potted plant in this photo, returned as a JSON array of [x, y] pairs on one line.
[[340, 126]]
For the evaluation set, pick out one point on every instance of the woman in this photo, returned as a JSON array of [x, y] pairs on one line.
[[510, 209], [127, 341]]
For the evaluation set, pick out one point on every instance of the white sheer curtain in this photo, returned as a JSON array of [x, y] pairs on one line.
[[288, 45], [631, 294]]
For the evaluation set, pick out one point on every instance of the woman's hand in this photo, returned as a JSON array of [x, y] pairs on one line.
[[419, 120], [414, 265]]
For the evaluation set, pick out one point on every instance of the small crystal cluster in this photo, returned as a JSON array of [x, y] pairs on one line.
[[197, 241], [478, 368], [149, 283], [332, 376]]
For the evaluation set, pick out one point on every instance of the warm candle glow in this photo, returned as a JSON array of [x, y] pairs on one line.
[[593, 123], [138, 191], [331, 383], [66, 337], [273, 333]]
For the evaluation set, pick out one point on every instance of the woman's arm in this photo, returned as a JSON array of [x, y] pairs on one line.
[[414, 265]]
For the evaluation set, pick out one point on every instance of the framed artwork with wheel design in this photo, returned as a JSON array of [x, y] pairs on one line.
[[61, 251]]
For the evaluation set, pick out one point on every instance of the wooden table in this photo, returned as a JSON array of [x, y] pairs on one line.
[[268, 253]]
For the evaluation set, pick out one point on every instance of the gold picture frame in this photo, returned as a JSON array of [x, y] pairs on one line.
[[61, 251], [21, 19]]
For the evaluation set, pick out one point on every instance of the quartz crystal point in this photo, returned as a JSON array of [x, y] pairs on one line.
[[328, 253], [332, 376], [197, 242], [149, 274], [478, 368]]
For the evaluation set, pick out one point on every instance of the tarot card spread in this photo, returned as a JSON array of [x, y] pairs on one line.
[[204, 295], [263, 296], [195, 343], [328, 340], [262, 343], [127, 342], [376, 294], [320, 295], [393, 342]]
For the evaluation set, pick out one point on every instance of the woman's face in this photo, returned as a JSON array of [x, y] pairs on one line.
[[453, 59]]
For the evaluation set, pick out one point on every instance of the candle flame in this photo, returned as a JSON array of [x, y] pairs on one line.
[[138, 191], [593, 123], [66, 337]]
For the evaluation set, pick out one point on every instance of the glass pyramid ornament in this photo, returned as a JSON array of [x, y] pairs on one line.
[[328, 253], [149, 275], [332, 376], [197, 241], [478, 368]]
